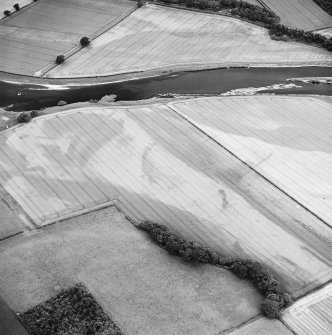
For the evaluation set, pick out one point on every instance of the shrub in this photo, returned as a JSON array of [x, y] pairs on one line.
[[7, 12], [84, 41], [60, 59], [270, 308], [33, 114], [23, 117], [17, 6]]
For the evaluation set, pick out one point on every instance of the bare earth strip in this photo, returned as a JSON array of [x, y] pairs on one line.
[[32, 38], [313, 314], [166, 38], [146, 291], [287, 140], [302, 14], [163, 169]]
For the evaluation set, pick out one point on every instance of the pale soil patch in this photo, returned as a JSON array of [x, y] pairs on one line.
[[145, 290], [312, 314], [32, 38], [302, 14], [162, 168], [326, 32], [285, 139], [262, 326], [164, 38]]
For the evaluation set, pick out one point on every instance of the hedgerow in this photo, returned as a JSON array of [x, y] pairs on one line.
[[275, 295], [71, 312]]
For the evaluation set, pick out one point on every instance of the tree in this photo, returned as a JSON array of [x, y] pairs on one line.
[[17, 6], [7, 12], [270, 308], [84, 41], [23, 117], [60, 59]]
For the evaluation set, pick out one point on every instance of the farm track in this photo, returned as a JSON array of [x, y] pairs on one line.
[[161, 168], [302, 14]]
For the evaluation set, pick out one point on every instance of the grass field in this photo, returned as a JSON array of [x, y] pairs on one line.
[[164, 38], [302, 14], [162, 168], [312, 314], [33, 37], [284, 139], [146, 291]]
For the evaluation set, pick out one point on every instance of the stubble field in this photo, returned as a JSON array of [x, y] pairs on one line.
[[166, 38], [164, 169]]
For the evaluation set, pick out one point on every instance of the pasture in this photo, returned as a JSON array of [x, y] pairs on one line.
[[32, 38], [164, 38], [301, 14], [146, 291], [162, 168]]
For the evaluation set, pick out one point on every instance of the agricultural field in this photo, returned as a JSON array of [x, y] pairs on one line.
[[161, 168], [312, 314], [302, 14], [32, 38], [275, 135], [144, 290], [164, 38]]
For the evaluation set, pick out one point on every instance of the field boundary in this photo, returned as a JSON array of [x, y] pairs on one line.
[[251, 167]]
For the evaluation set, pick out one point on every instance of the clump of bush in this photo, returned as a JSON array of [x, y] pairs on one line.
[[275, 295], [17, 7], [7, 12], [60, 59], [73, 311], [23, 117], [84, 41]]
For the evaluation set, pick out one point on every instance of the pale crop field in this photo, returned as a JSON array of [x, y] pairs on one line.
[[162, 168], [302, 14], [145, 291], [32, 38], [166, 38], [287, 140], [312, 314]]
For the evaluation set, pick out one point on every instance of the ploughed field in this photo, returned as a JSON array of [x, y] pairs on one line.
[[32, 38], [162, 168], [143, 289], [302, 14], [156, 37]]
